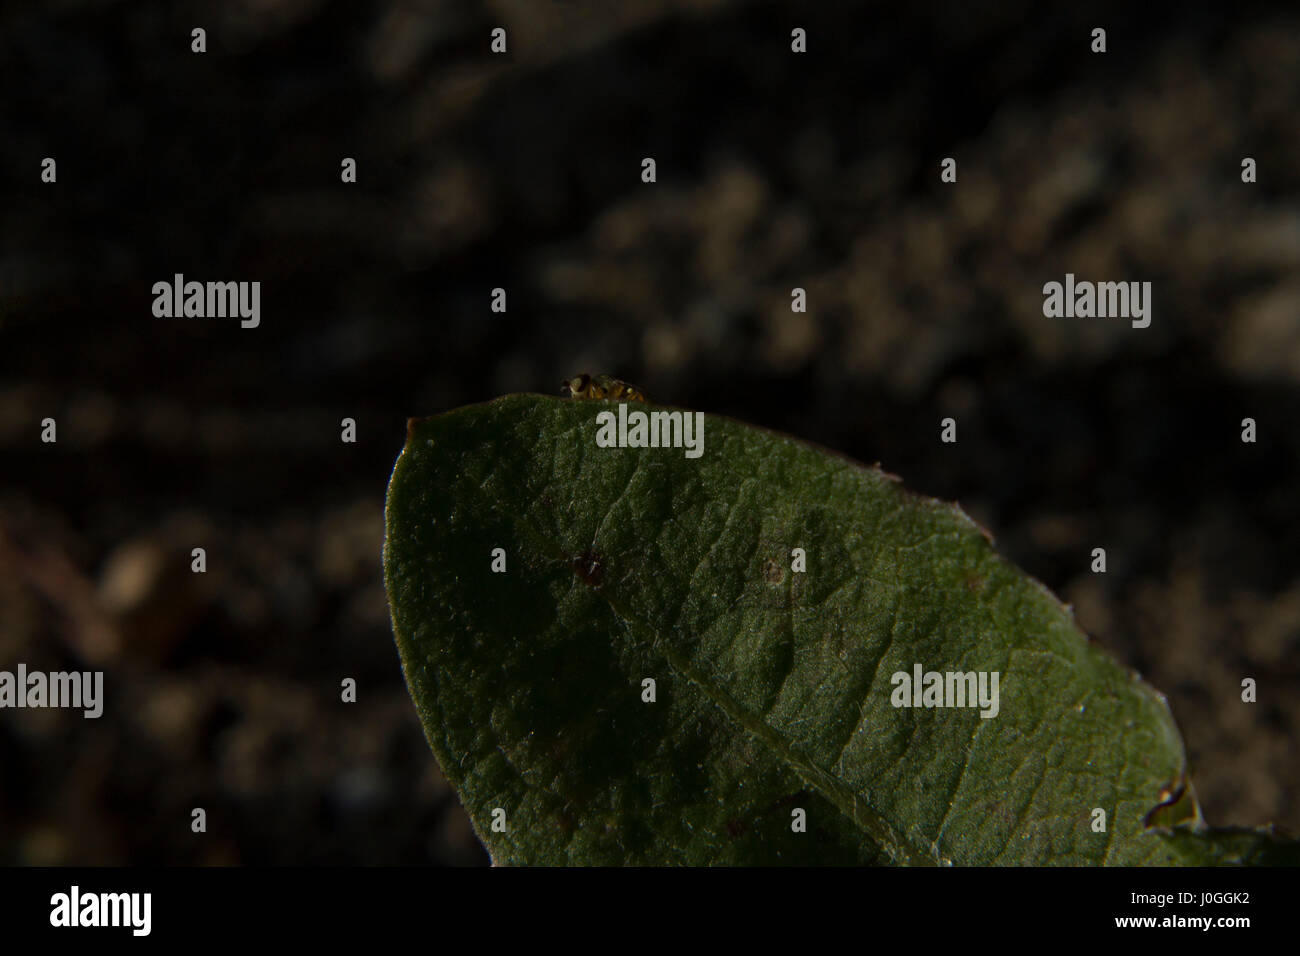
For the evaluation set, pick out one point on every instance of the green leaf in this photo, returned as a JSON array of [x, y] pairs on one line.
[[773, 688]]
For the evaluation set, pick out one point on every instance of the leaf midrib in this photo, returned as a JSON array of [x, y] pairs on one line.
[[896, 846]]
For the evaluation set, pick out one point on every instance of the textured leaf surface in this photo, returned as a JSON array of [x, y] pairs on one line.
[[773, 687]]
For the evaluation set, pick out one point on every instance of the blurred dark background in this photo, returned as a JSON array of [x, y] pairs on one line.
[[523, 171]]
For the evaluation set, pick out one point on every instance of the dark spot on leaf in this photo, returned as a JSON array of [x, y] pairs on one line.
[[792, 799], [735, 828], [772, 572], [590, 567]]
